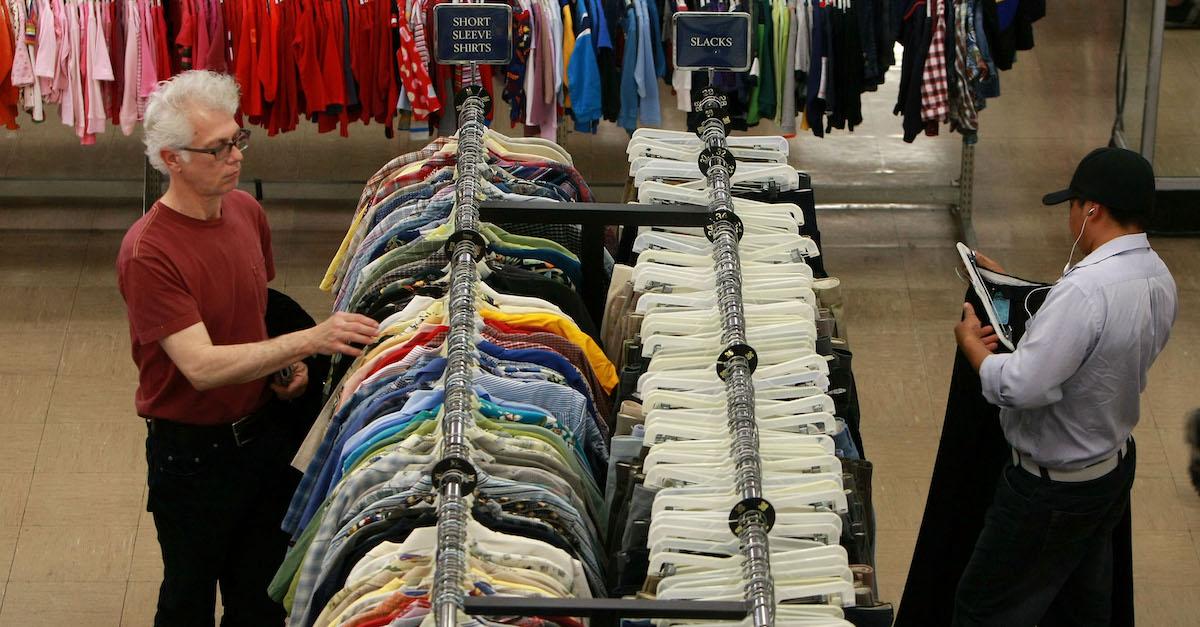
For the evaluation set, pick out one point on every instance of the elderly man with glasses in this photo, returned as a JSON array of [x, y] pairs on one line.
[[211, 386]]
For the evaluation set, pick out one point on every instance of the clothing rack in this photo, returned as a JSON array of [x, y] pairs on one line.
[[454, 476], [753, 516]]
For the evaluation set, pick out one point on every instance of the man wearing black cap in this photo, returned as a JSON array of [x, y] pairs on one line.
[[1069, 400]]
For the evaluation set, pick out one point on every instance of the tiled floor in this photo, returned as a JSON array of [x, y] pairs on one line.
[[76, 547]]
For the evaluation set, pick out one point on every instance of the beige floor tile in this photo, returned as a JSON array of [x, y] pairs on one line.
[[1174, 380], [937, 310], [1166, 605], [24, 398], [35, 309], [1163, 558], [19, 446], [1156, 506], [110, 500], [899, 501], [14, 494], [923, 227], [877, 310], [147, 558], [1152, 458], [899, 451], [862, 268], [893, 553], [100, 447], [1177, 454], [31, 353], [92, 399], [44, 259], [73, 554], [896, 400], [8, 547], [140, 600], [845, 226], [98, 354], [99, 264], [98, 310], [40, 604], [933, 267]]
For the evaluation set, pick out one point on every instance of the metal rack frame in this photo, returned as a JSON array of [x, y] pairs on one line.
[[753, 516], [1148, 141], [454, 475]]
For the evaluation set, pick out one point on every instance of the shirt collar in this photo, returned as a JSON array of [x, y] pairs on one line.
[[1113, 248]]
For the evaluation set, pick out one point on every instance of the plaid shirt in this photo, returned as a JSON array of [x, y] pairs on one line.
[[935, 94], [964, 117]]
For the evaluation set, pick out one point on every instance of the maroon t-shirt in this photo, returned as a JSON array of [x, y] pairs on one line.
[[175, 271]]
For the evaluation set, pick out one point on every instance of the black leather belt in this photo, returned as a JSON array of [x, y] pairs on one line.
[[238, 433]]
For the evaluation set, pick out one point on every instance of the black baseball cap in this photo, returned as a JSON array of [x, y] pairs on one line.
[[1114, 177]]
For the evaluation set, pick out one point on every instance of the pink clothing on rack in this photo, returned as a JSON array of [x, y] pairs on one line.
[[72, 108], [130, 113], [22, 69], [46, 63], [146, 52], [99, 70]]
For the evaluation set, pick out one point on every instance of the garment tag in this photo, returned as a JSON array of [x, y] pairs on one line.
[[712, 40], [473, 33], [30, 33], [1000, 304]]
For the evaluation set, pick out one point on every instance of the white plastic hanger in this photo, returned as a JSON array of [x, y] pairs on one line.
[[753, 176], [667, 429], [822, 527], [771, 402], [652, 148], [691, 360], [648, 302], [799, 335], [766, 142]]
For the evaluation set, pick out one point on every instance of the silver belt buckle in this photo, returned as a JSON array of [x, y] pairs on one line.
[[239, 427]]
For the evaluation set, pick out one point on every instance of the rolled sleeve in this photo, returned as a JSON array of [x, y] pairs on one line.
[[1056, 343]]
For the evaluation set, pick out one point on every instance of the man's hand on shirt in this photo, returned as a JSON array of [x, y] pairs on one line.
[[975, 340], [293, 387], [339, 331]]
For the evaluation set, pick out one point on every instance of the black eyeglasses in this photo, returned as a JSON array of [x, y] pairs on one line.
[[241, 139]]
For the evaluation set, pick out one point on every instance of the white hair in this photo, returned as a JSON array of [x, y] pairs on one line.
[[166, 124]]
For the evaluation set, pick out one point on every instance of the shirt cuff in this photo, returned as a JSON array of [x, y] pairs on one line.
[[989, 376]]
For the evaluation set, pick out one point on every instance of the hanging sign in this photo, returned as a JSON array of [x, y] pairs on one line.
[[472, 33], [712, 41]]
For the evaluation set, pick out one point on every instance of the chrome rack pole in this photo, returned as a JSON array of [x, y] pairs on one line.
[[454, 475], [751, 519]]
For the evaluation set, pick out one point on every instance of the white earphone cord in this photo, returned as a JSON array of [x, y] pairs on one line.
[[1071, 254]]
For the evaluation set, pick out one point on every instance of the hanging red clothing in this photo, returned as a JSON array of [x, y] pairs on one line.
[[9, 93], [308, 58]]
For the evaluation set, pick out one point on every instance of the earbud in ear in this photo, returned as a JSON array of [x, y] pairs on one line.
[[1091, 211]]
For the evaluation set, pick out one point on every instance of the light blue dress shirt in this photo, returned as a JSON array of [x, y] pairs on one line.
[[1069, 394]]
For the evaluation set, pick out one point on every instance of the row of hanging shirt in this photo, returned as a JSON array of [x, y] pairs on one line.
[[363, 516], [98, 60], [672, 480], [341, 61]]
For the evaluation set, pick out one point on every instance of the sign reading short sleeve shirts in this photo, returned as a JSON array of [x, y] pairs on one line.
[[472, 33], [712, 41]]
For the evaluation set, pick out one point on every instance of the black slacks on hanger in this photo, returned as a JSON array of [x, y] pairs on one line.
[[972, 454]]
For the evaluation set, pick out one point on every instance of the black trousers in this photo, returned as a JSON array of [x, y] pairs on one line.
[[217, 508], [1045, 554]]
